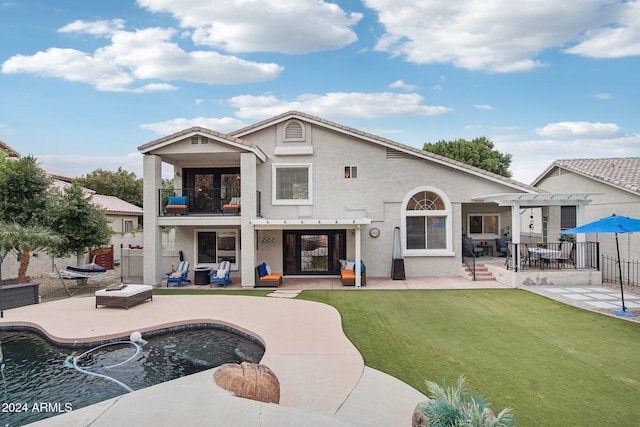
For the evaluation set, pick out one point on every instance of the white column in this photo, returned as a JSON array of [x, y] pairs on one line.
[[358, 257], [581, 238], [247, 213], [152, 252], [515, 231]]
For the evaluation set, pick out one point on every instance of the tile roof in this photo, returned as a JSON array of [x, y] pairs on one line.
[[10, 152], [382, 141], [621, 172], [114, 205]]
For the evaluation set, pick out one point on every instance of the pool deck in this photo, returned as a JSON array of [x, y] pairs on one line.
[[322, 376]]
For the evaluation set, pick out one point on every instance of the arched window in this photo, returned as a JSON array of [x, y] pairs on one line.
[[426, 220]]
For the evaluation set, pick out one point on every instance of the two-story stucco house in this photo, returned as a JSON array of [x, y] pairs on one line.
[[302, 193]]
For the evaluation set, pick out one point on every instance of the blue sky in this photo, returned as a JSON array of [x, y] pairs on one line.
[[84, 83]]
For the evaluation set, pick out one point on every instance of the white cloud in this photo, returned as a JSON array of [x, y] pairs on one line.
[[223, 125], [531, 156], [299, 26], [199, 101], [579, 129], [339, 105], [602, 96], [95, 28], [617, 38], [146, 54], [501, 35], [399, 84], [5, 130], [483, 107]]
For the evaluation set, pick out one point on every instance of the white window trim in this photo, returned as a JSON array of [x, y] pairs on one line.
[[447, 213], [235, 232], [483, 235], [291, 202]]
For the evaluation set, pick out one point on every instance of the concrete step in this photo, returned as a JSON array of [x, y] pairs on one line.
[[482, 273]]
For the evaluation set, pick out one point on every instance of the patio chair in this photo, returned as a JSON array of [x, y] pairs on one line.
[[265, 277], [470, 249], [233, 207], [567, 257], [502, 247], [221, 276], [176, 205], [179, 275]]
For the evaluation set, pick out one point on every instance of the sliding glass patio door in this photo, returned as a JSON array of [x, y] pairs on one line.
[[313, 252]]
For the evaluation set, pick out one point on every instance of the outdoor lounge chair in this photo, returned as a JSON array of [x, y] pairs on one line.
[[176, 205], [348, 275], [221, 276], [179, 275], [265, 277], [470, 249], [502, 247], [233, 207]]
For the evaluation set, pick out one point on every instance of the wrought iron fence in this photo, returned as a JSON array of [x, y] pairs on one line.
[[611, 272], [556, 255]]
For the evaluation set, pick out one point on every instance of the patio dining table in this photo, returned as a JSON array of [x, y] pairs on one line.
[[546, 254]]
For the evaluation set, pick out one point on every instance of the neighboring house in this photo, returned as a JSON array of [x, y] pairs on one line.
[[124, 217], [617, 180], [301, 193]]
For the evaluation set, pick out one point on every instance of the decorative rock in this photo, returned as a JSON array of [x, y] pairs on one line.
[[249, 380], [419, 419]]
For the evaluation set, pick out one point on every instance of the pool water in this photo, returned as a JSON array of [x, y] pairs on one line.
[[36, 383]]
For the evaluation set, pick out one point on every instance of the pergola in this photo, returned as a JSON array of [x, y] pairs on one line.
[[517, 201]]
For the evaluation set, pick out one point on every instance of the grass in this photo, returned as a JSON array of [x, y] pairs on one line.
[[555, 365]]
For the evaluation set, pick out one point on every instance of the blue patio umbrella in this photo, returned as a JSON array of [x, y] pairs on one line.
[[613, 224]]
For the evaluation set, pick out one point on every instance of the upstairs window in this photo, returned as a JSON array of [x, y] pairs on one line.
[[292, 184], [350, 172]]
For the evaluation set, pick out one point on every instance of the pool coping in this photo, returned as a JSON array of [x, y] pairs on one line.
[[317, 366]]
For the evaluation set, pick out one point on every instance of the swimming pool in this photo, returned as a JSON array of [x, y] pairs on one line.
[[36, 383]]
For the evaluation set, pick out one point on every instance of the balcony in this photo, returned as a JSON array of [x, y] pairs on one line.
[[203, 202]]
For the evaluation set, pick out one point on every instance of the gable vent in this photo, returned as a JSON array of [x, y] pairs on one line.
[[194, 139], [294, 131], [395, 154], [204, 140]]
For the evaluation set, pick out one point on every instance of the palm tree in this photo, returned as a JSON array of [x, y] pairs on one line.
[[456, 407], [25, 239]]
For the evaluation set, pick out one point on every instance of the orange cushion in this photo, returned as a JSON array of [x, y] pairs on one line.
[[176, 206], [231, 206], [274, 276], [348, 274]]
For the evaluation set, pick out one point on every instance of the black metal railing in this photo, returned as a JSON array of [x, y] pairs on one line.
[[204, 201], [200, 201], [556, 255], [469, 259], [611, 273]]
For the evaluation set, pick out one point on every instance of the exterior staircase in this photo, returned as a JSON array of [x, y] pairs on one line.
[[482, 273]]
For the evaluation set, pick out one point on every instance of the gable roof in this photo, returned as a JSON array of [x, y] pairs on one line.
[[388, 143], [197, 130], [10, 152], [620, 172]]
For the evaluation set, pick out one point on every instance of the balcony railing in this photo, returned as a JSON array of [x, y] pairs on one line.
[[202, 201], [556, 255]]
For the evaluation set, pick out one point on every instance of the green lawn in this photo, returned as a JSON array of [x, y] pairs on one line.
[[555, 365]]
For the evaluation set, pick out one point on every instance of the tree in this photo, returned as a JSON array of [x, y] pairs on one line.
[[121, 184], [84, 225], [479, 152], [25, 239], [24, 191]]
